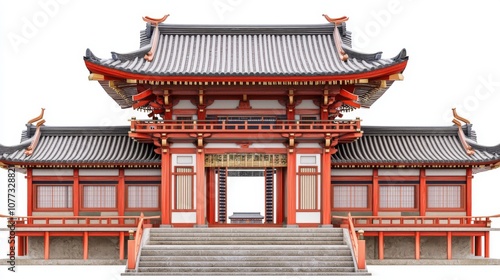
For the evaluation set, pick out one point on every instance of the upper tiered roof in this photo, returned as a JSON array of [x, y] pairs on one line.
[[171, 54]]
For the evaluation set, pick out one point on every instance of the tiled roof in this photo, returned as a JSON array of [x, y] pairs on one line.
[[413, 145], [416, 146], [243, 50], [84, 145]]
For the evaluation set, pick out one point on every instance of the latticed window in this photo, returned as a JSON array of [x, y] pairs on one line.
[[54, 197], [396, 197], [444, 197], [308, 188], [184, 194], [99, 196], [143, 196], [350, 196]]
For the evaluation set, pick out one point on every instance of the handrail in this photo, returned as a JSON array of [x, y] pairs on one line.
[[354, 237], [423, 221], [134, 245], [73, 221], [280, 126], [359, 253]]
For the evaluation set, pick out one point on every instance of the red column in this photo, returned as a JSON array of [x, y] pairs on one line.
[[326, 191], [417, 245], [487, 244], [478, 246], [279, 196], [448, 244], [211, 196], [376, 193], [380, 245], [468, 193], [165, 187], [29, 176], [200, 187], [291, 175], [423, 192], [46, 245], [121, 194], [85, 245], [122, 245], [76, 192]]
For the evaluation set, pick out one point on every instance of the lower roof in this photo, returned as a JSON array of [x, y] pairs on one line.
[[379, 146]]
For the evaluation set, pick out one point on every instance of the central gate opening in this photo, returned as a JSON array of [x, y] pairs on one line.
[[245, 192]]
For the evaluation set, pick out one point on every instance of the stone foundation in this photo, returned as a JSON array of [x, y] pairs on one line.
[[72, 247], [430, 247]]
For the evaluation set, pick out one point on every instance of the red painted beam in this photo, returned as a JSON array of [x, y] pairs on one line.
[[143, 95]]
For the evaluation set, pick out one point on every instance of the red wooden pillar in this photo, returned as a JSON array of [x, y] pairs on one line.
[[376, 193], [85, 245], [165, 186], [21, 245], [423, 193], [200, 188], [326, 191], [122, 245], [291, 174], [211, 196], [121, 194], [279, 196], [468, 193], [380, 245], [46, 245], [478, 246], [487, 244], [76, 192], [448, 244], [29, 192], [417, 245]]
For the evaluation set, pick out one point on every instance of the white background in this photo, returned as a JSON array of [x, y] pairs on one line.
[[453, 49]]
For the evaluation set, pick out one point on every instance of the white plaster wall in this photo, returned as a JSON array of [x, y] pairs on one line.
[[183, 217], [266, 104], [267, 145], [222, 145], [445, 172], [398, 172], [182, 145], [308, 217], [142, 172], [98, 172], [302, 163], [306, 104], [224, 104], [352, 172], [52, 172], [185, 104], [308, 145]]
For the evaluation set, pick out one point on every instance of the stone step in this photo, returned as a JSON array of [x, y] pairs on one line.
[[246, 230], [245, 270], [242, 258], [268, 273], [230, 263], [247, 242], [246, 234]]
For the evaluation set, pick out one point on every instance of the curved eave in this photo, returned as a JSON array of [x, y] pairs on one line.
[[434, 164], [120, 74], [26, 164]]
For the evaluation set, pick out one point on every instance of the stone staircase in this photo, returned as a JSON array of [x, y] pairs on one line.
[[245, 251]]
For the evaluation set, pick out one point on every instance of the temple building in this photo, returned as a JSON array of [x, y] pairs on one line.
[[245, 132]]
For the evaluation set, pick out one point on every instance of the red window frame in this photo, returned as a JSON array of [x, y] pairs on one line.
[[127, 195], [82, 198], [175, 173], [36, 195], [369, 196], [415, 198], [316, 175], [448, 209]]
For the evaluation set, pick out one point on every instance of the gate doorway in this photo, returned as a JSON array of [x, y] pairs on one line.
[[255, 191]]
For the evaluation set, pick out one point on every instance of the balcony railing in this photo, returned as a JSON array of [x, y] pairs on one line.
[[76, 221], [244, 126], [421, 221]]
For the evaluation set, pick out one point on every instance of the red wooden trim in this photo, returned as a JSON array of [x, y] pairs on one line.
[[183, 210], [99, 69], [448, 244], [165, 203], [417, 245], [463, 200], [182, 151], [279, 196], [291, 187], [35, 199], [423, 192], [487, 244], [376, 193], [416, 199], [142, 178], [245, 150], [398, 178], [142, 209], [368, 179], [52, 178], [99, 178], [446, 178], [85, 245], [308, 211], [326, 190], [121, 194], [381, 245], [31, 201], [468, 192], [200, 187]]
